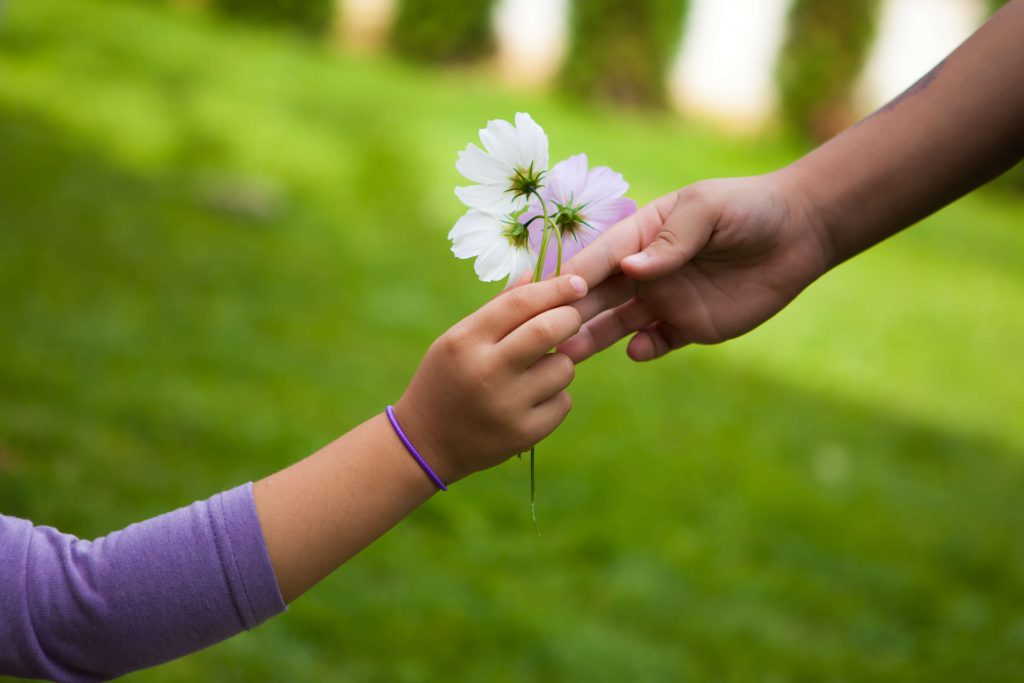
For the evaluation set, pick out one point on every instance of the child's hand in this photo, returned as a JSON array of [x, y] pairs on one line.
[[488, 388]]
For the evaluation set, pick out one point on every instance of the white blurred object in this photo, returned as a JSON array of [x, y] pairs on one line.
[[914, 36], [531, 39], [725, 69], [364, 24]]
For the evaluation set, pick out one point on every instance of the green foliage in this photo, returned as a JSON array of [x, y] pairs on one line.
[[442, 30], [826, 47], [620, 50], [834, 497], [1012, 181], [307, 16]]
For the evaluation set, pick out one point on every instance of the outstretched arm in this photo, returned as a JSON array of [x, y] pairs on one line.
[[718, 258], [958, 127], [486, 390], [76, 610]]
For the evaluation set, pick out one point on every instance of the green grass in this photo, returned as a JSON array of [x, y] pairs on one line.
[[223, 248]]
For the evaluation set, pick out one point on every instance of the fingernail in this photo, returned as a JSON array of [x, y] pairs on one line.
[[637, 259], [578, 283]]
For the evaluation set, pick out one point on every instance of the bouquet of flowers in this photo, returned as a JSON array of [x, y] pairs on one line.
[[524, 217]]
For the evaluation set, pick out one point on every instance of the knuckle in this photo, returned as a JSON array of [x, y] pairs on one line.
[[668, 239], [518, 301], [544, 330], [610, 257], [455, 341], [477, 372], [694, 193]]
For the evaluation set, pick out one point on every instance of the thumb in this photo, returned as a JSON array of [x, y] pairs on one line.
[[685, 232]]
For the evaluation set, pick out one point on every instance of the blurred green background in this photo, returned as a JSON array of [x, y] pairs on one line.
[[225, 245]]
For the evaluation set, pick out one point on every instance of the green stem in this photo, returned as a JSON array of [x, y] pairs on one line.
[[538, 274], [533, 492], [558, 262], [538, 271], [549, 227]]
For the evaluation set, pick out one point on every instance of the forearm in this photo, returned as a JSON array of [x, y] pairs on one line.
[[957, 128], [93, 610], [321, 511], [485, 390]]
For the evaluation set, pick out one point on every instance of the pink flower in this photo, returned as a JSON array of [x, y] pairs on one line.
[[583, 204]]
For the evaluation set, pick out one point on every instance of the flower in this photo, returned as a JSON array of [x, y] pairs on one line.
[[501, 245], [510, 169], [582, 203]]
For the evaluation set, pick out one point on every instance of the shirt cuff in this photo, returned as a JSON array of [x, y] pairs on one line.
[[244, 556]]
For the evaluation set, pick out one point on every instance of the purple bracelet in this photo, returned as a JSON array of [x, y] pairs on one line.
[[412, 449]]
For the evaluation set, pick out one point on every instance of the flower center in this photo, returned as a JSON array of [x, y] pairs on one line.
[[570, 220], [525, 182], [517, 234]]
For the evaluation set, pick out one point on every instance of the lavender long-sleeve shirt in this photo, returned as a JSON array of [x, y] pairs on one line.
[[73, 610]]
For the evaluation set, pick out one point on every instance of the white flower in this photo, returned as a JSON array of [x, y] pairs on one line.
[[501, 245], [510, 169]]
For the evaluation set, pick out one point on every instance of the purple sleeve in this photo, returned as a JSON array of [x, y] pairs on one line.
[[74, 610]]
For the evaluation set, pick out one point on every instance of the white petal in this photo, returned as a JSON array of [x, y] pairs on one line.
[[488, 265], [472, 221], [475, 233], [533, 143], [489, 198], [474, 244], [523, 262], [501, 141], [482, 168]]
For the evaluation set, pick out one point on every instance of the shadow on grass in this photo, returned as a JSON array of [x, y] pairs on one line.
[[697, 521]]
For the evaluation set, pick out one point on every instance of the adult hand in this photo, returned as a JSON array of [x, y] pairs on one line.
[[719, 257], [701, 265]]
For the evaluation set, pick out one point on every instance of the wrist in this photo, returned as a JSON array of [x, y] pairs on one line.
[[810, 213], [429, 442]]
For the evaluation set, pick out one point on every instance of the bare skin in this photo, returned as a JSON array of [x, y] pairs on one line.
[[485, 390], [716, 259], [704, 264]]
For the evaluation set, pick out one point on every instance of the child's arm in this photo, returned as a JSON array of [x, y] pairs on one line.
[[74, 610], [484, 392]]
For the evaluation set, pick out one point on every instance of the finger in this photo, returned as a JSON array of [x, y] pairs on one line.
[[525, 278], [544, 418], [652, 342], [684, 233], [616, 290], [601, 258], [548, 376], [503, 314], [606, 329], [531, 340]]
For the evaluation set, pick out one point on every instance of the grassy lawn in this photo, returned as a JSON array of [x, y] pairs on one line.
[[223, 248]]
